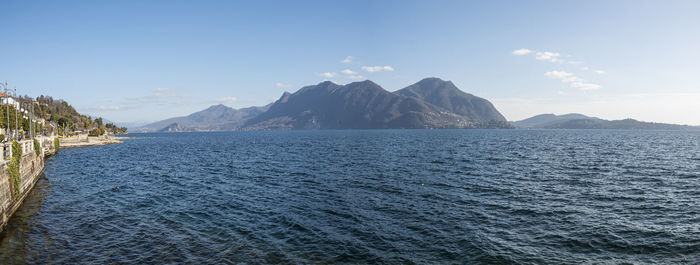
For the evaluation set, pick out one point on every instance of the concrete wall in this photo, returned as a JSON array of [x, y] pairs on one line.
[[31, 167]]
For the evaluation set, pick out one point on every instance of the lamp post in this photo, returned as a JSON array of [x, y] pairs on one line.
[[16, 134], [7, 112], [26, 113], [33, 122]]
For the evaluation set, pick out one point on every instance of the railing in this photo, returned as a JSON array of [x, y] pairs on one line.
[[27, 147]]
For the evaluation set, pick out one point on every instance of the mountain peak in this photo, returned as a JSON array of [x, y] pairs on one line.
[[364, 83], [432, 85], [446, 95], [432, 80], [326, 83]]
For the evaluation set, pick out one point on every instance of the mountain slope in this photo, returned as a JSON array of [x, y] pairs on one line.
[[446, 95], [214, 118], [358, 105], [548, 120]]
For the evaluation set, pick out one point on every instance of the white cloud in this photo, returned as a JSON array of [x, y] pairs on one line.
[[356, 77], [522, 52], [553, 57], [565, 77], [548, 56], [282, 85], [572, 80], [348, 72], [373, 69], [347, 59], [226, 100], [328, 74]]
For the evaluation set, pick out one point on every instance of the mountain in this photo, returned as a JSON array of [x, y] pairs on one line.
[[174, 127], [446, 95], [430, 103], [579, 121], [545, 120], [362, 105], [214, 118]]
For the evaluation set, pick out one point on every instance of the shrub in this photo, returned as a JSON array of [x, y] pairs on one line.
[[94, 132], [2, 137], [13, 167], [56, 144], [37, 148]]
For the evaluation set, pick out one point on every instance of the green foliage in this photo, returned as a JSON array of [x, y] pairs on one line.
[[61, 112], [25, 124], [102, 131], [63, 122], [16, 149], [14, 116], [4, 110], [2, 137], [114, 129], [37, 148], [56, 143], [94, 132], [13, 167]]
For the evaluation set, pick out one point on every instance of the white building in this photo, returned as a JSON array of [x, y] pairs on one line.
[[11, 101]]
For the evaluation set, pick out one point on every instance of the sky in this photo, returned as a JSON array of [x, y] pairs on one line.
[[134, 62]]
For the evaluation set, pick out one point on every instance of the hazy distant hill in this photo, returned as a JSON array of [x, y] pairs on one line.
[[545, 120], [360, 105], [174, 127], [214, 118], [579, 121], [446, 95]]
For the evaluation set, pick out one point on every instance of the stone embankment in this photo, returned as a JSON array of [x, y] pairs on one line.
[[17, 181], [84, 140]]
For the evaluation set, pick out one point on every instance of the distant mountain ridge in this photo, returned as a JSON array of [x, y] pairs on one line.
[[580, 121], [430, 103], [544, 120], [215, 118]]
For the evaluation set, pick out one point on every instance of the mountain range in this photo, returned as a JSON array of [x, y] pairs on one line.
[[580, 121], [214, 118], [430, 103]]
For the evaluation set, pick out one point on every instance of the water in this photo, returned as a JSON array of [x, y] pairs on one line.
[[414, 196]]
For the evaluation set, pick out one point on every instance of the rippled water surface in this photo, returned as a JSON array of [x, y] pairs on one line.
[[414, 196]]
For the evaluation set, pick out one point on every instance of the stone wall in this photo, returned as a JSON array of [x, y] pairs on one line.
[[31, 167]]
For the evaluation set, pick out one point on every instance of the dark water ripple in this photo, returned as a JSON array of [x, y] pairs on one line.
[[463, 196]]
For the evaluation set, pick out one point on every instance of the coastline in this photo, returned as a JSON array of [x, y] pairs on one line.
[[83, 140]]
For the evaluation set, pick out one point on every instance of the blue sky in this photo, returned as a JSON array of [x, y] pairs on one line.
[[139, 61]]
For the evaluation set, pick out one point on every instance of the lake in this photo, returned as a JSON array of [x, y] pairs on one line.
[[367, 196]]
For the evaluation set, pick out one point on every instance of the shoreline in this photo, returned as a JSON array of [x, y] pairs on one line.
[[88, 141]]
